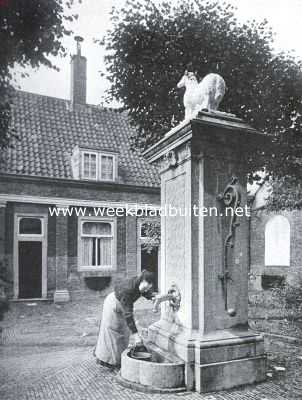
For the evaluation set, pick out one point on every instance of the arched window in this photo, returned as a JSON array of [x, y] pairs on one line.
[[277, 241]]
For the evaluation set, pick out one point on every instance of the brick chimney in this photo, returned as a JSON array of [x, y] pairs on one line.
[[78, 65]]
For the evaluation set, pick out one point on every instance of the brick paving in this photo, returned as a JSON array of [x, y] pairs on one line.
[[72, 374], [49, 324], [53, 360]]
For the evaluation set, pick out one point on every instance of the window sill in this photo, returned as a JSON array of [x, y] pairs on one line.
[[276, 266], [87, 272], [97, 180]]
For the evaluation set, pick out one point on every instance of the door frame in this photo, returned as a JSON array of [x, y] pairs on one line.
[[140, 242], [42, 238]]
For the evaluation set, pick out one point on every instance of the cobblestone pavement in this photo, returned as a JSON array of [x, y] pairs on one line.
[[36, 369], [72, 374], [45, 323]]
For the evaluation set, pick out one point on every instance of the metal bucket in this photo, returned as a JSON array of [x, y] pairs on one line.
[[140, 353]]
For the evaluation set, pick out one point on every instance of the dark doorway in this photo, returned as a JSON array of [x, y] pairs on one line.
[[149, 261], [30, 270]]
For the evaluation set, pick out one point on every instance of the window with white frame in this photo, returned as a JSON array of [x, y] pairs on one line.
[[98, 166], [89, 165], [97, 244]]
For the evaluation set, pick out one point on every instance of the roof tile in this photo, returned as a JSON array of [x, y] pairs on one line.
[[50, 128]]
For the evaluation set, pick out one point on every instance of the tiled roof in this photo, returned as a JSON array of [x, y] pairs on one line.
[[49, 129]]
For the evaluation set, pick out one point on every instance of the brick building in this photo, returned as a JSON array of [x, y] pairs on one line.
[[275, 244], [72, 156]]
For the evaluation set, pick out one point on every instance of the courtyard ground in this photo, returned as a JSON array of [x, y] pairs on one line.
[[46, 354]]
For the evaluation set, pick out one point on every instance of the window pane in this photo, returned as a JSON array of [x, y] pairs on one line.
[[89, 170], [96, 228], [86, 165], [87, 253], [97, 252], [107, 167], [92, 166], [30, 226], [104, 253]]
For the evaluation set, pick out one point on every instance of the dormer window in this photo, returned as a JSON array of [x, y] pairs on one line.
[[94, 165]]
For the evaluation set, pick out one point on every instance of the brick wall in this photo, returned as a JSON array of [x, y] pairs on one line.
[[131, 244], [265, 310], [51, 256], [94, 191], [121, 245], [8, 248]]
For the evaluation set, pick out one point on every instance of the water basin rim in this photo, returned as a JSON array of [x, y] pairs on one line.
[[148, 389], [140, 355], [155, 362]]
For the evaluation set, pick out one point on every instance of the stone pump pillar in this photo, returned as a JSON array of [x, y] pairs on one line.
[[204, 242]]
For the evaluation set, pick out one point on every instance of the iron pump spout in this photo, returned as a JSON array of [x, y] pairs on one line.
[[173, 296]]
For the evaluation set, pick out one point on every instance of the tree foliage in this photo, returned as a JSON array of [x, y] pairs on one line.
[[30, 32], [152, 235], [150, 44], [286, 194]]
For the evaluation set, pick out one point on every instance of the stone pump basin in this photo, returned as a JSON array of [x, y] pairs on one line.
[[158, 375]]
